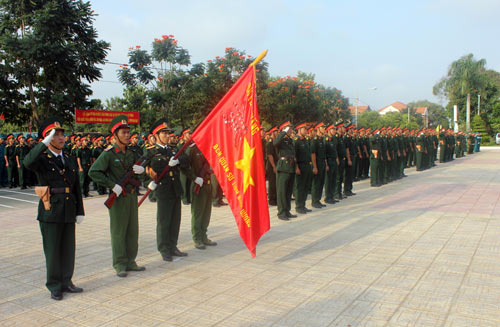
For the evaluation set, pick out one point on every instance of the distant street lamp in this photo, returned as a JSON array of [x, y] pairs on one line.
[[357, 104]]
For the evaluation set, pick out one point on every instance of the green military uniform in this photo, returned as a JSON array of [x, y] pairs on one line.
[[470, 143], [84, 154], [168, 194], [349, 178], [201, 198], [331, 161], [270, 173], [96, 152], [420, 152], [57, 224], [286, 173], [108, 170], [304, 179], [318, 150], [21, 152], [147, 150], [185, 181], [375, 158], [341, 152], [10, 154]]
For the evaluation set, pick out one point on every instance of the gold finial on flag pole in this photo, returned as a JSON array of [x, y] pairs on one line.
[[259, 58]]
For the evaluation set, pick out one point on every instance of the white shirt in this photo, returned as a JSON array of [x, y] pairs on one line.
[[57, 155]]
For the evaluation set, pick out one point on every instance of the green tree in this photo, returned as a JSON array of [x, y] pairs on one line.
[[465, 76], [49, 54], [437, 113]]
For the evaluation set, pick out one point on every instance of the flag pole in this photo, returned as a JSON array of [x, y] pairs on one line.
[[259, 58]]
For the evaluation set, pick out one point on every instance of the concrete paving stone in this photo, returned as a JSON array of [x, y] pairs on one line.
[[61, 323], [463, 321], [422, 251], [413, 317], [29, 318]]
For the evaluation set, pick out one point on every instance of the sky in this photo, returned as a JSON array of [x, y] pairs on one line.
[[379, 51]]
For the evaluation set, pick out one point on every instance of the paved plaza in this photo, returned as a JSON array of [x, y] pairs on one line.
[[421, 251]]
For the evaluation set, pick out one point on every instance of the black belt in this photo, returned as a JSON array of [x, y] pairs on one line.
[[287, 158], [60, 190]]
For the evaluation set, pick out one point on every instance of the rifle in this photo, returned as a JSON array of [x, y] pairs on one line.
[[206, 169], [127, 179], [158, 178]]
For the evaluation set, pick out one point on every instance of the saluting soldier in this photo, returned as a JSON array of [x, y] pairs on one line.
[[60, 208], [201, 197], [108, 169], [303, 170], [286, 171], [318, 153], [332, 162], [168, 191]]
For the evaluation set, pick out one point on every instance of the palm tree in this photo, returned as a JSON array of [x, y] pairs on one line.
[[464, 76]]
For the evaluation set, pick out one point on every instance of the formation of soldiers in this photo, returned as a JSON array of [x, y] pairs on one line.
[[317, 159], [324, 160]]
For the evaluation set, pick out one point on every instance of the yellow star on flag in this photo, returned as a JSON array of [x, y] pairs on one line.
[[245, 164]]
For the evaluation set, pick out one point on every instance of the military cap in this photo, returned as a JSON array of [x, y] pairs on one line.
[[48, 125], [330, 127], [134, 134], [118, 122], [9, 136], [340, 124], [159, 125], [19, 136], [285, 124], [301, 125], [319, 125], [186, 130]]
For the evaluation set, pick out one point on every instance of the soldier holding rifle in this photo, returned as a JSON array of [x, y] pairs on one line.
[[108, 170]]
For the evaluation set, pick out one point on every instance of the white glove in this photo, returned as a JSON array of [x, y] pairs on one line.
[[286, 129], [138, 169], [173, 162], [79, 219], [49, 137], [117, 189], [152, 185], [199, 181]]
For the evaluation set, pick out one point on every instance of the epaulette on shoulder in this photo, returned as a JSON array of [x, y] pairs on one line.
[[315, 138], [296, 138], [108, 148], [149, 147], [326, 138]]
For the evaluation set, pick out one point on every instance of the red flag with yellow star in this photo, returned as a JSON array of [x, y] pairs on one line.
[[230, 140]]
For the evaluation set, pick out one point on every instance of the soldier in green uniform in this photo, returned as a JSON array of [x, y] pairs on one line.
[[271, 162], [420, 151], [96, 152], [62, 208], [168, 191], [149, 146], [332, 161], [303, 170], [286, 171], [185, 181], [470, 143], [375, 146], [114, 163], [22, 150], [10, 161], [84, 160], [350, 155], [201, 197], [318, 154], [341, 153]]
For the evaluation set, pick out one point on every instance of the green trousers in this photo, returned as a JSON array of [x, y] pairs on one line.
[[284, 190], [124, 227], [318, 181], [11, 174], [419, 161], [59, 249], [217, 193], [271, 192], [303, 184], [85, 180], [201, 210], [168, 220], [186, 188], [331, 179], [375, 172]]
